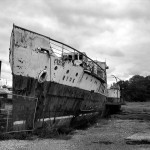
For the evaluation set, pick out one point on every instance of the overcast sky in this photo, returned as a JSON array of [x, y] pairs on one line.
[[117, 31]]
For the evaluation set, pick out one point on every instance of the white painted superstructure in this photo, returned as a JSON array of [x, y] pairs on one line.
[[114, 93], [35, 54]]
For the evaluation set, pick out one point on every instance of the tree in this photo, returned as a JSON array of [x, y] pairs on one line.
[[136, 89]]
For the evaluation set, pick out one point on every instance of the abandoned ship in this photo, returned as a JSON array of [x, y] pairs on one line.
[[53, 82]]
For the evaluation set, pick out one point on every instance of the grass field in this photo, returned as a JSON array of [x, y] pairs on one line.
[[105, 134]]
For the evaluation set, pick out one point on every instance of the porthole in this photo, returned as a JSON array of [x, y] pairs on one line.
[[67, 71], [55, 68], [42, 76], [70, 79], [73, 80], [76, 74], [63, 77]]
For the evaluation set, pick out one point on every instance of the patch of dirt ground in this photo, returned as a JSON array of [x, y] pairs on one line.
[[106, 134]]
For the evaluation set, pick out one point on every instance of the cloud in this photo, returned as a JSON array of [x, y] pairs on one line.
[[6, 73], [139, 59], [70, 12], [111, 52], [118, 31]]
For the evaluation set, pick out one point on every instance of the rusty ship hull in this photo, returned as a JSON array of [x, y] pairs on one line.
[[66, 84]]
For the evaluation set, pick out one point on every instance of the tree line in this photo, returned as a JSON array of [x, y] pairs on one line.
[[136, 88]]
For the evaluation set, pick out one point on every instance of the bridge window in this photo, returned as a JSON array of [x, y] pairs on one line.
[[65, 57], [70, 57], [76, 57], [80, 57]]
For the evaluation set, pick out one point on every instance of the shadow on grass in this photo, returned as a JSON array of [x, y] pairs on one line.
[[46, 132], [103, 142], [137, 142], [63, 133], [93, 122], [41, 133]]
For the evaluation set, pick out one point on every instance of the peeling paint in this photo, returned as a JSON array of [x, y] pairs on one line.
[[69, 88]]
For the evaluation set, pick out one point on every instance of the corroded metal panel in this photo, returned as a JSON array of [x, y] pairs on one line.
[[58, 96], [27, 59], [24, 109]]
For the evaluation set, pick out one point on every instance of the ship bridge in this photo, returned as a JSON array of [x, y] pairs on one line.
[[69, 54]]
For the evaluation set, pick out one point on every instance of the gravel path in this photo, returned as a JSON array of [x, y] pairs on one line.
[[105, 135]]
